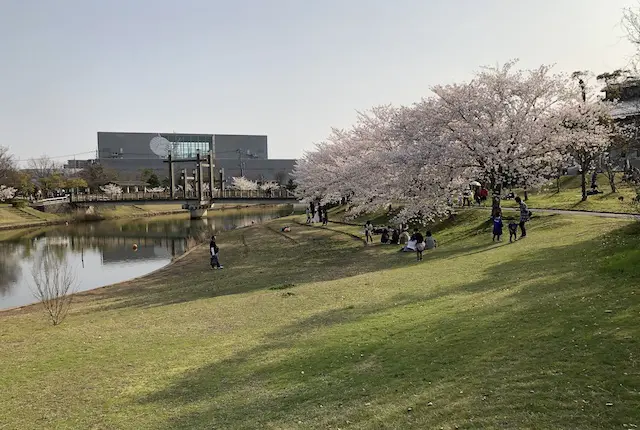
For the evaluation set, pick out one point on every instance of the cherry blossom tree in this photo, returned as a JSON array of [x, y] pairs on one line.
[[111, 189], [388, 156], [588, 136], [503, 124], [270, 186], [6, 193], [242, 183]]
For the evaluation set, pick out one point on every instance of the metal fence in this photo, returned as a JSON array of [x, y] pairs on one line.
[[217, 194]]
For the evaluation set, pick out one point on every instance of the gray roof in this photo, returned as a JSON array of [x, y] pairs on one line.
[[624, 109]]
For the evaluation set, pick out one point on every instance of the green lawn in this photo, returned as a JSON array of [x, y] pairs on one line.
[[16, 216], [570, 196], [312, 329]]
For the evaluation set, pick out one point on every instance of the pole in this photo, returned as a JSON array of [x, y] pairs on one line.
[[222, 179], [184, 183], [171, 178], [240, 162], [211, 174], [199, 175]]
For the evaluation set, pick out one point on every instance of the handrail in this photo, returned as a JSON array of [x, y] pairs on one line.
[[217, 194]]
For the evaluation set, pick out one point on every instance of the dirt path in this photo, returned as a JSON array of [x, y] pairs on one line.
[[571, 212]]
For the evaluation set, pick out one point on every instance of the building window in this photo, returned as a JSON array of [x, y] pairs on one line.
[[188, 146]]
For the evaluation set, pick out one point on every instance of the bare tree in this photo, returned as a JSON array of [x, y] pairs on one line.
[[631, 24], [42, 167], [54, 282], [7, 165]]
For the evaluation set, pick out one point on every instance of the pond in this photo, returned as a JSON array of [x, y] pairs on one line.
[[101, 253]]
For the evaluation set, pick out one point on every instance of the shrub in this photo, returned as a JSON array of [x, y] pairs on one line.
[[19, 203]]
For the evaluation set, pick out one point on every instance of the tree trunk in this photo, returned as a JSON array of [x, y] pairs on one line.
[[558, 184], [526, 194], [583, 184], [611, 175], [496, 191]]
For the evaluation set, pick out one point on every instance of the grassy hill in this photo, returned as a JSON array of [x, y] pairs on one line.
[[312, 329], [10, 216], [570, 196]]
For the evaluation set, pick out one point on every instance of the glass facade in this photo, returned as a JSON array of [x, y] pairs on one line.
[[185, 146]]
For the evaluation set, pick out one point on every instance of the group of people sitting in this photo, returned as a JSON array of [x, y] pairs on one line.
[[394, 236]]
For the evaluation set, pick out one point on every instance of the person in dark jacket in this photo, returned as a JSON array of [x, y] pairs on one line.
[[385, 236], [395, 237], [497, 228], [214, 251], [524, 216]]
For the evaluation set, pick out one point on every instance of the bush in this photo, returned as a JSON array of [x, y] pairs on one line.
[[53, 282], [19, 203]]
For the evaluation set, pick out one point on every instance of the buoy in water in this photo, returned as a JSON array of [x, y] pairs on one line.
[[135, 246]]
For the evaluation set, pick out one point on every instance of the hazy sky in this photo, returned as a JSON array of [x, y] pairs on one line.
[[290, 69]]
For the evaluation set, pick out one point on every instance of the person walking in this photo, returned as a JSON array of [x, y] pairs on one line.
[[466, 198], [214, 251], [312, 209], [524, 216], [368, 232]]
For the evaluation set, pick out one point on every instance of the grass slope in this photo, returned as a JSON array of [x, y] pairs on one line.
[[570, 196], [311, 329], [16, 216]]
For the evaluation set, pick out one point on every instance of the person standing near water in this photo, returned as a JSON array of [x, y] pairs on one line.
[[214, 251]]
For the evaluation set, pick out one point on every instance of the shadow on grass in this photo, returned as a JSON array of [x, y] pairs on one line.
[[256, 258], [259, 258], [529, 345]]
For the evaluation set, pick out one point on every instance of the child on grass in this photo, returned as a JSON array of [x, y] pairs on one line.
[[420, 245], [497, 228], [513, 231]]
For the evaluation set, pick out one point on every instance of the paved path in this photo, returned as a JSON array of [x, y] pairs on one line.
[[569, 212]]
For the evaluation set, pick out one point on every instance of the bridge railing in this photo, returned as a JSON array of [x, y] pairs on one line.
[[84, 198], [256, 194], [51, 200], [217, 194]]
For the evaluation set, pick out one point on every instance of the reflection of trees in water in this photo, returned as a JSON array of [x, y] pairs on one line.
[[10, 270], [165, 233]]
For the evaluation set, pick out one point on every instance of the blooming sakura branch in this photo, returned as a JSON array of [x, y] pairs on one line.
[[6, 193]]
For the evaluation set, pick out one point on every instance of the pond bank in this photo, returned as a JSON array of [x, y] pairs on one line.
[[109, 215]]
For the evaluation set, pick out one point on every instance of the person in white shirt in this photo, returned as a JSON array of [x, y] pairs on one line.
[[368, 231]]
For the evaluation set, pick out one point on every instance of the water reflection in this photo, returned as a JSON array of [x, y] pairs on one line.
[[102, 253], [9, 269]]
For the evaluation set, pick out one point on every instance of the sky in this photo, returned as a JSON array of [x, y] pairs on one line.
[[290, 69]]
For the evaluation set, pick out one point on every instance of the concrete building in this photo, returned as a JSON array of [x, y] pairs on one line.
[[238, 155]]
